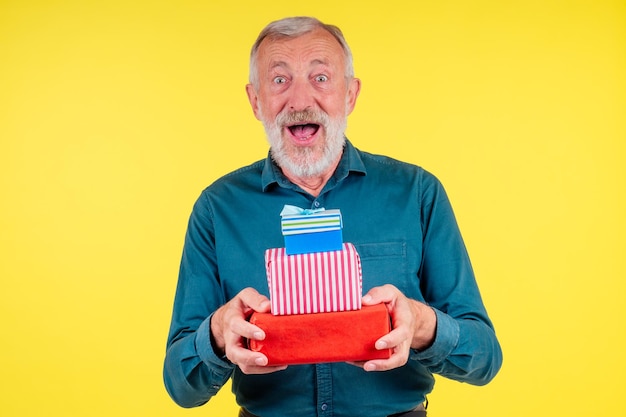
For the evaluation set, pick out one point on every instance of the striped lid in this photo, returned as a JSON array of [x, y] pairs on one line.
[[321, 221]]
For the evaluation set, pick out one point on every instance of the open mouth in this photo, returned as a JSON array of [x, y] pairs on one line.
[[303, 131]]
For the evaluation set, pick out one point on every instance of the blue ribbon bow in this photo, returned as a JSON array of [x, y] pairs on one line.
[[290, 210]]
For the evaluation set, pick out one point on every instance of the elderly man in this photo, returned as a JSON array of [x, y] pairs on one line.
[[302, 88]]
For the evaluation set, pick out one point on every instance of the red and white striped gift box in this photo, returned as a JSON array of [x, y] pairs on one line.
[[317, 282]]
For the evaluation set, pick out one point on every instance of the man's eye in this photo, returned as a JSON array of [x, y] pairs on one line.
[[280, 80], [321, 78]]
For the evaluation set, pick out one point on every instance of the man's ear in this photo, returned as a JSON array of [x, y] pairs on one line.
[[253, 98], [354, 88]]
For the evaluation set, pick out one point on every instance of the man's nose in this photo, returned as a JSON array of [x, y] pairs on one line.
[[301, 95]]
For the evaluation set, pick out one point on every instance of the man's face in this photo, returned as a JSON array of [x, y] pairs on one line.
[[303, 99]]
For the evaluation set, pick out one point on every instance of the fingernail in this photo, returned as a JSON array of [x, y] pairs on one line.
[[366, 298], [259, 335], [260, 361], [369, 367], [381, 344]]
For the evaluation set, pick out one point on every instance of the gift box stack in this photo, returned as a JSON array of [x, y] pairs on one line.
[[315, 286]]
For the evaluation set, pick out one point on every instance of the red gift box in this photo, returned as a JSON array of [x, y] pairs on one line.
[[318, 282], [322, 337]]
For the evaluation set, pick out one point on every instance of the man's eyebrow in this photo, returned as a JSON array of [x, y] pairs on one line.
[[279, 64], [319, 61], [283, 64]]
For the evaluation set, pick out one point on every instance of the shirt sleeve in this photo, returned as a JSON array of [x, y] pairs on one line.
[[192, 370], [465, 348]]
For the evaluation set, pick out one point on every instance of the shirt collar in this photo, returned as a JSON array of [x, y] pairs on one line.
[[350, 162]]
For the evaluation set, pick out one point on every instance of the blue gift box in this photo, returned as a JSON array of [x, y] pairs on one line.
[[312, 231]]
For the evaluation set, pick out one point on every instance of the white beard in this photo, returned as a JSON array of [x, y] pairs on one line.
[[305, 161]]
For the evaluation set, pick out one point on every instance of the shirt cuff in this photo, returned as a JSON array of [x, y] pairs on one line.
[[205, 350], [446, 340]]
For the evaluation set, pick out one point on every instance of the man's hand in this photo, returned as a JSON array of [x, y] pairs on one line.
[[230, 328], [413, 326]]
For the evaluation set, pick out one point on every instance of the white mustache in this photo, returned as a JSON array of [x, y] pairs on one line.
[[287, 118]]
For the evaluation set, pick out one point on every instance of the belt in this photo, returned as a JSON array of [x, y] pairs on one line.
[[419, 411]]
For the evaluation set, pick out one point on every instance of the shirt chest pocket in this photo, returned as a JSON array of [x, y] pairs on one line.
[[383, 263]]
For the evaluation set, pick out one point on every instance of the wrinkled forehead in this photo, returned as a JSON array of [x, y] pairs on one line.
[[316, 47]]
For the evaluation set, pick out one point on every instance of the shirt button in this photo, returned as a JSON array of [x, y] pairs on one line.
[[316, 203], [324, 407]]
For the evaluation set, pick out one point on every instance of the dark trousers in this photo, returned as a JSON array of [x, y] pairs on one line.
[[419, 412]]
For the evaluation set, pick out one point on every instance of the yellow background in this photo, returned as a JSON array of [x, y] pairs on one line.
[[114, 115]]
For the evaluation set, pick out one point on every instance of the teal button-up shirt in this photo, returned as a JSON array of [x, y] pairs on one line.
[[401, 222]]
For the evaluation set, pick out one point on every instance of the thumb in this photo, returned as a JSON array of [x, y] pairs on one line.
[[256, 301], [377, 295]]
